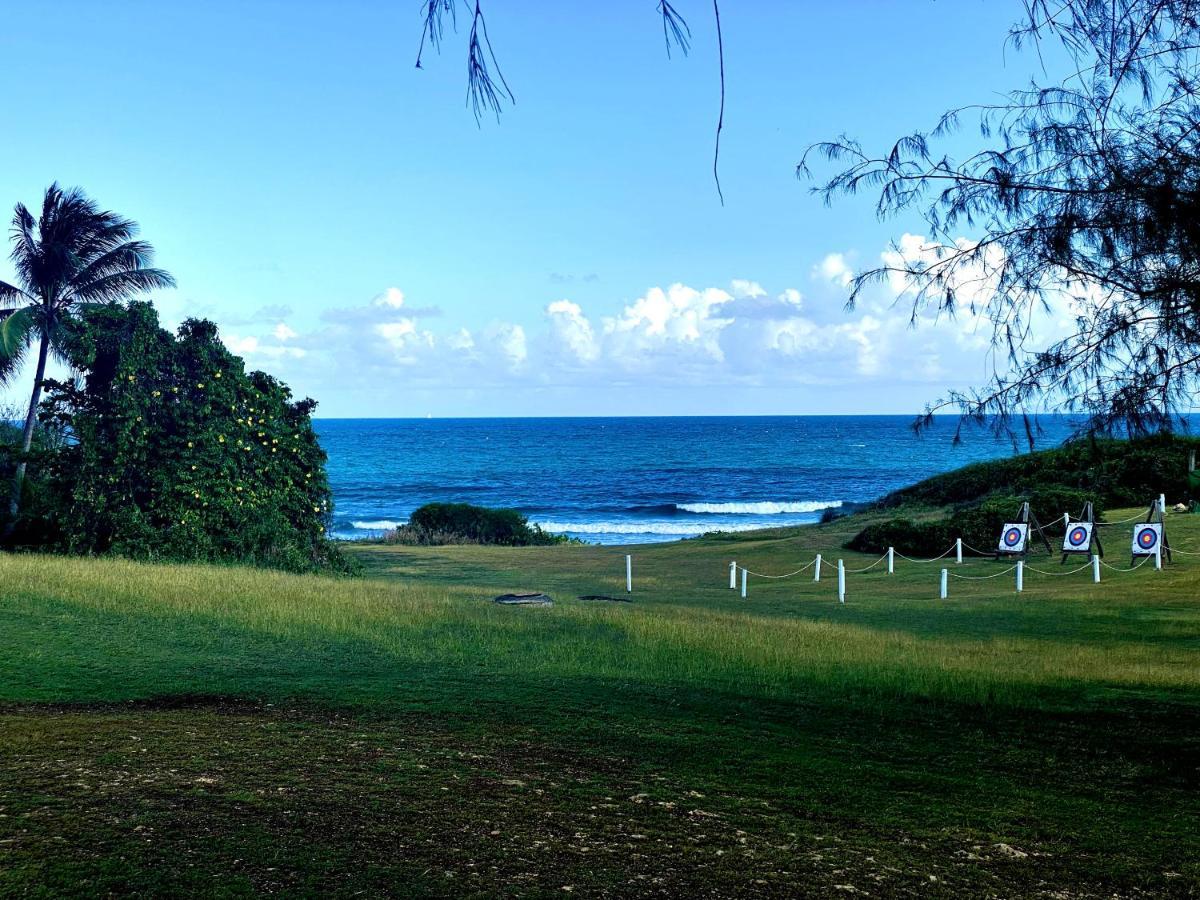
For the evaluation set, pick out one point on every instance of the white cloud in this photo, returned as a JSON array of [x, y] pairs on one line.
[[834, 268], [283, 333], [392, 298]]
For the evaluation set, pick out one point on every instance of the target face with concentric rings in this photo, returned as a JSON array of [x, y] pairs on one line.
[[1146, 538], [1012, 538], [1078, 537]]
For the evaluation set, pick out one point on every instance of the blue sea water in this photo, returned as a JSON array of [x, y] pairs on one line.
[[636, 480]]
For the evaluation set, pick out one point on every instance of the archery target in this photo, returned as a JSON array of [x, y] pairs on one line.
[[1013, 537], [1147, 538], [1078, 538]]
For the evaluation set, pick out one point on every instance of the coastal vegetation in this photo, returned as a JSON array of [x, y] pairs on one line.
[[974, 502], [436, 524], [157, 446], [187, 728]]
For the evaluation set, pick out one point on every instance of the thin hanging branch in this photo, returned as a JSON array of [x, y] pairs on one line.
[[721, 113], [675, 28], [484, 92]]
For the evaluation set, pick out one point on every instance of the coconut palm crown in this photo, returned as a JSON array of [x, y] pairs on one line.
[[72, 255]]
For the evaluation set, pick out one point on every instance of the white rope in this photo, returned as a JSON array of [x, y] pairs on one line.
[[931, 559], [1130, 569], [1184, 552], [1132, 518], [1086, 565], [788, 575], [980, 577], [868, 568], [977, 550]]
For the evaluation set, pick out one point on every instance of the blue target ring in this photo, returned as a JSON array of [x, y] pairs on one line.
[[1012, 537], [1147, 538], [1078, 537]]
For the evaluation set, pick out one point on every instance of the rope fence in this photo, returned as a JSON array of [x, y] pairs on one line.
[[1095, 563]]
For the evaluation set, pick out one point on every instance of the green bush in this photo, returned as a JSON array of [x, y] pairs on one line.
[[449, 523], [1121, 473], [978, 524], [177, 452]]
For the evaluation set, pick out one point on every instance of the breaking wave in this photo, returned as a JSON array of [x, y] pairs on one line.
[[765, 508], [380, 525]]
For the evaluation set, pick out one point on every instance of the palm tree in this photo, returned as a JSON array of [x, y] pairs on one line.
[[72, 256]]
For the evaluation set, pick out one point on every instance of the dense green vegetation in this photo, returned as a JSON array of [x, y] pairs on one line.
[[975, 501], [173, 728], [167, 448], [462, 523]]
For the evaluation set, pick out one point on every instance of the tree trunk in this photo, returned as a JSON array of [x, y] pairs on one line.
[[14, 498]]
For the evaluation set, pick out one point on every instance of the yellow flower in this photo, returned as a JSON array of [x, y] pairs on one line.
[[217, 375], [193, 468], [131, 378], [274, 449], [200, 384], [221, 438], [196, 494], [174, 390], [156, 393], [190, 444]]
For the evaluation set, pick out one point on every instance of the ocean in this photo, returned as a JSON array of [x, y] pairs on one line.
[[637, 480]]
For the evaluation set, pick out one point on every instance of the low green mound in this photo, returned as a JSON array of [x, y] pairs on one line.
[[978, 523], [1119, 472], [975, 501], [463, 523]]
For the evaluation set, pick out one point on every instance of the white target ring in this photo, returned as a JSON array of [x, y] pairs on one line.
[[1013, 537], [1147, 538], [1078, 538]]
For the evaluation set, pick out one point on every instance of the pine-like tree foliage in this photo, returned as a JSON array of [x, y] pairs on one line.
[[1084, 198], [176, 452]]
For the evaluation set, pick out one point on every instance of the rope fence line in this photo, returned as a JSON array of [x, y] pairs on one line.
[[867, 568], [942, 555], [1145, 559], [1086, 565], [788, 575], [981, 577]]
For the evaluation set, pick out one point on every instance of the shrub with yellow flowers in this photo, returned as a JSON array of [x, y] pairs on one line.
[[162, 461]]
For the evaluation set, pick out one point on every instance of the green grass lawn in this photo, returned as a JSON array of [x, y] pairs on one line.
[[176, 729]]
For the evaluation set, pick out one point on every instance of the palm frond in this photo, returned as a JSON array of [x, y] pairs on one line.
[[11, 295], [130, 255], [119, 285], [17, 328]]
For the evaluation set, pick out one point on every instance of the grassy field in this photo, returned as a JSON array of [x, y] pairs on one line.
[[175, 729]]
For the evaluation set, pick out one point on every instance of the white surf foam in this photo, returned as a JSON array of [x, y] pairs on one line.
[[765, 508], [380, 525], [679, 528]]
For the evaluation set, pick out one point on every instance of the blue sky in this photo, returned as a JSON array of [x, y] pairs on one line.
[[352, 230]]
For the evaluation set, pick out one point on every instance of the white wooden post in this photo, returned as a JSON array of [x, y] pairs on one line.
[[743, 584], [841, 582], [733, 575], [958, 550], [1066, 520], [1020, 575], [1162, 503], [1158, 556], [945, 577], [629, 573], [891, 560], [817, 569], [1095, 568]]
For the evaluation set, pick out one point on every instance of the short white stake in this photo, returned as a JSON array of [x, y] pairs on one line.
[[891, 560], [1095, 568], [958, 550], [841, 582], [743, 584], [1158, 556], [733, 575], [945, 577], [1162, 503], [1020, 575], [628, 573], [1066, 520], [817, 569]]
